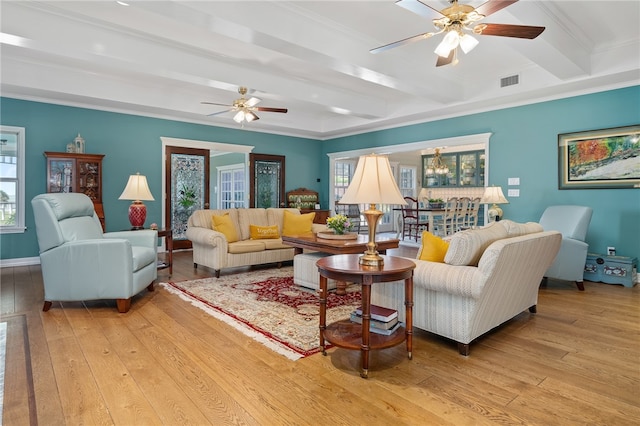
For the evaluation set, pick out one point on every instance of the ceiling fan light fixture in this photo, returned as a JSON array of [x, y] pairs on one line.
[[467, 43], [448, 43], [239, 117], [250, 116]]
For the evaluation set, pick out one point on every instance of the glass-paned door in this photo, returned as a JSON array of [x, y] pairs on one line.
[[267, 180], [344, 170], [232, 187], [343, 174], [408, 180], [187, 189]]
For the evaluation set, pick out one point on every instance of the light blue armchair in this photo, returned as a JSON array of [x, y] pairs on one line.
[[573, 223], [79, 262]]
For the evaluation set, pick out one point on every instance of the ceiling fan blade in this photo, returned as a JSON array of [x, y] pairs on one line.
[[492, 6], [252, 101], [220, 112], [446, 61], [419, 8], [269, 109], [506, 30], [213, 103], [401, 42]]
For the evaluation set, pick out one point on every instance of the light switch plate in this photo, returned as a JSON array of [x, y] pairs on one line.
[[513, 192], [514, 181]]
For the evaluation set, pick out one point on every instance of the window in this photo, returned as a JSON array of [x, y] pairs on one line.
[[231, 184], [343, 174], [12, 141], [407, 181]]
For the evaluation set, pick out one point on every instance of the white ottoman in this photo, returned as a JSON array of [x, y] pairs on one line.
[[305, 271]]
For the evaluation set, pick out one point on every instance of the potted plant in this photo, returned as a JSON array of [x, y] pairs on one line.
[[436, 203], [339, 224]]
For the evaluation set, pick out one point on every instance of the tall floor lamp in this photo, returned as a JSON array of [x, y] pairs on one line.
[[373, 183]]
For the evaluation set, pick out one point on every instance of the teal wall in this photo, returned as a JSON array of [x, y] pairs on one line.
[[131, 144], [524, 144]]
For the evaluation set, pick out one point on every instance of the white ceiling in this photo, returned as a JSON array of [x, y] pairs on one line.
[[162, 58]]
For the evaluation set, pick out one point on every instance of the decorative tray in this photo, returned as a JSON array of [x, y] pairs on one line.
[[330, 235]]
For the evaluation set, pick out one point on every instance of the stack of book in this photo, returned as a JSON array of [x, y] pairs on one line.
[[383, 320]]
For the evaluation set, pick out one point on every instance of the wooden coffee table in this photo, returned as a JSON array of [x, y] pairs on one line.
[[323, 245]]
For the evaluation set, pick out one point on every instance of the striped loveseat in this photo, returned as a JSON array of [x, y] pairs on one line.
[[211, 248], [489, 276]]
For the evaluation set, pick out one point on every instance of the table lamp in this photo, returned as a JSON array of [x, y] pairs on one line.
[[493, 194], [423, 197], [372, 184], [137, 190]]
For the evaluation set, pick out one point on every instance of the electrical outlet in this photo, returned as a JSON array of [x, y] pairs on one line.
[[611, 251]]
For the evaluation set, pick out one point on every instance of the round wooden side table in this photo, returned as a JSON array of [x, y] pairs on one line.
[[349, 335]]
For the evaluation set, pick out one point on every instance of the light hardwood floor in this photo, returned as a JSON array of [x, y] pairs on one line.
[[165, 362]]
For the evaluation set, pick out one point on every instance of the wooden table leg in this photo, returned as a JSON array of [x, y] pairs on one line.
[[322, 293], [169, 240], [408, 305], [341, 287], [366, 322]]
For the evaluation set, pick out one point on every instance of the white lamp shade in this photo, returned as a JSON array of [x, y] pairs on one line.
[[239, 117], [250, 116], [449, 42], [136, 189], [467, 43], [494, 195], [423, 195], [373, 183]]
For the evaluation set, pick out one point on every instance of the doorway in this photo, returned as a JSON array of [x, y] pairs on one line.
[[187, 183], [403, 155], [266, 184], [212, 149]]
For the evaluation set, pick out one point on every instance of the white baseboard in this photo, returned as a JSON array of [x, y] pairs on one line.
[[23, 261]]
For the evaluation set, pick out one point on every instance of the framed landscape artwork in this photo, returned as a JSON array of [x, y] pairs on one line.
[[608, 158]]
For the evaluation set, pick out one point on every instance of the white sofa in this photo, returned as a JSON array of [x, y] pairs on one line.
[[489, 276], [211, 249]]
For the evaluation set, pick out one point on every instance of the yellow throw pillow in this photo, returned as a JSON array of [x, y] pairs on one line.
[[434, 248], [263, 232], [224, 224], [297, 224]]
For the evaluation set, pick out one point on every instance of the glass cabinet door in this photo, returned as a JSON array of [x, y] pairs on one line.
[[438, 180], [468, 169], [465, 169], [89, 178], [61, 175]]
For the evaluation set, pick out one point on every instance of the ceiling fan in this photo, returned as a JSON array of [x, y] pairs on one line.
[[245, 108], [457, 21]]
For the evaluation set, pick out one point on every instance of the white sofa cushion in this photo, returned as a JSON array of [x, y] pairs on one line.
[[515, 229], [466, 247]]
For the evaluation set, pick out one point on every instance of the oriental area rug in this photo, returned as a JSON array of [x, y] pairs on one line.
[[267, 306]]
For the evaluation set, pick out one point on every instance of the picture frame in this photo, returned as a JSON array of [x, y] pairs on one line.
[[599, 159]]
